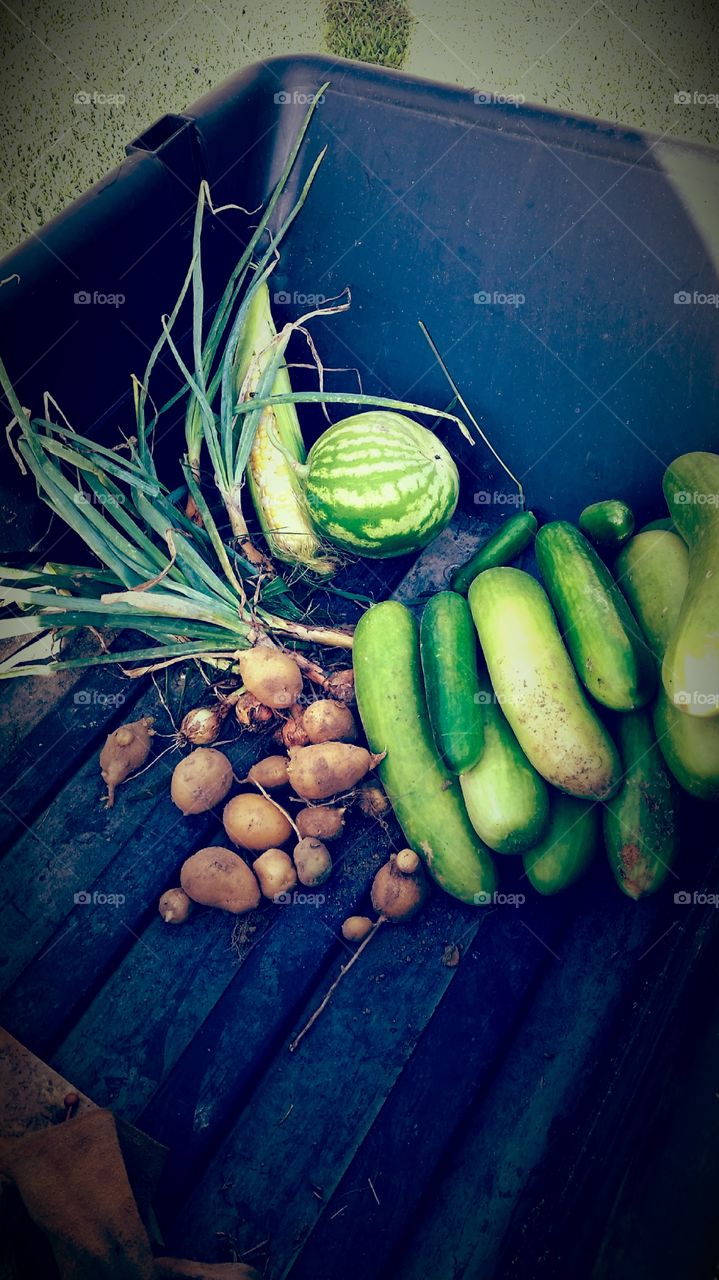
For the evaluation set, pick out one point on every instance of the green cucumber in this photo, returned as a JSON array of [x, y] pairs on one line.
[[691, 663], [690, 747], [504, 546], [608, 650], [568, 846], [448, 647], [641, 822], [507, 801], [425, 796], [537, 687], [607, 524], [653, 571]]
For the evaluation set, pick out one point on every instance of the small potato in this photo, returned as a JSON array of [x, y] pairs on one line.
[[398, 895], [328, 721], [217, 877], [326, 768], [270, 772], [313, 861], [174, 906], [275, 871], [355, 928], [324, 821], [271, 676], [254, 822], [407, 862], [201, 780]]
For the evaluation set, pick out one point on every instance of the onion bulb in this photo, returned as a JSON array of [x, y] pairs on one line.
[[202, 725]]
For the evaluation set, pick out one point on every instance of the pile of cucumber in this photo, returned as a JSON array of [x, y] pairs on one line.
[[587, 704]]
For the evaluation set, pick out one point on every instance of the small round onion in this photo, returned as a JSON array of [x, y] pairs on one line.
[[251, 713], [202, 725]]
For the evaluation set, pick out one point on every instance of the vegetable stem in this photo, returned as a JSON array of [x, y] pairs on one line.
[[295, 1043]]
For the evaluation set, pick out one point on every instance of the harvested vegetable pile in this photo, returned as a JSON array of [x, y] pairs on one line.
[[523, 714]]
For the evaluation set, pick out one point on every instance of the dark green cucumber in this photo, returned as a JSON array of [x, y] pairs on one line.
[[537, 686], [448, 646], [425, 796], [568, 846], [607, 524], [507, 801], [641, 822], [653, 571], [609, 652], [502, 548]]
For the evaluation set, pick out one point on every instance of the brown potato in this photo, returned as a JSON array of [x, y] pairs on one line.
[[398, 895], [324, 821], [174, 906], [201, 780], [270, 772], [272, 676], [254, 822], [275, 871], [313, 861], [217, 877], [326, 768], [125, 751], [355, 928], [328, 721]]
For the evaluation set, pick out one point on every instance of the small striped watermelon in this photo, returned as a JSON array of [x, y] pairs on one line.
[[379, 484]]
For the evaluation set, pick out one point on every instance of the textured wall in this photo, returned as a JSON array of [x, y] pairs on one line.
[[623, 62]]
